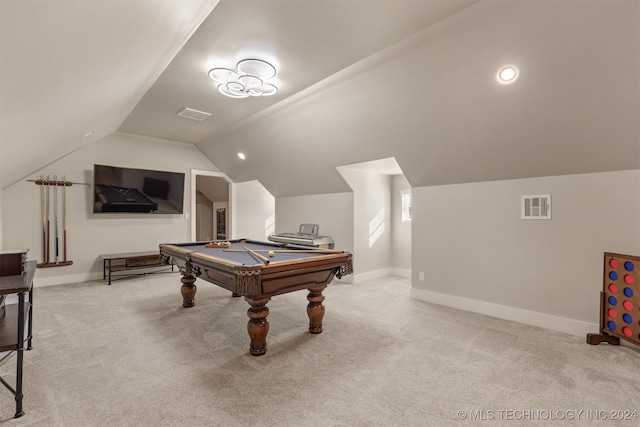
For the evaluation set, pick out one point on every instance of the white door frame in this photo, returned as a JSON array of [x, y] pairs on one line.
[[194, 173]]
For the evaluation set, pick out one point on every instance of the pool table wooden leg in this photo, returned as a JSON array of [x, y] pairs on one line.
[[188, 290], [258, 326], [315, 309]]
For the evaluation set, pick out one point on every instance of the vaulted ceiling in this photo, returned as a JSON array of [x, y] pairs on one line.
[[358, 80]]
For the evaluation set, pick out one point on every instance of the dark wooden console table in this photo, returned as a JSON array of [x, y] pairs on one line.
[[130, 261], [17, 318]]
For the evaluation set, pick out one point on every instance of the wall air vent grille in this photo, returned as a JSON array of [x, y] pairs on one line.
[[535, 207], [190, 113]]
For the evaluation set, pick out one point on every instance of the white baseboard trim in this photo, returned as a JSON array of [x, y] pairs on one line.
[[348, 279], [39, 282], [405, 273], [371, 275], [542, 320]]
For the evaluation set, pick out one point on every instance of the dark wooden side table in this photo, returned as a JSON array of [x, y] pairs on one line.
[[17, 322], [130, 261]]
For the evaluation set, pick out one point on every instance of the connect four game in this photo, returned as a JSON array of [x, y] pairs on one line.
[[619, 301]]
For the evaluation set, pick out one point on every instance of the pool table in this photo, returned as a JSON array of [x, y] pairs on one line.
[[259, 271], [122, 199]]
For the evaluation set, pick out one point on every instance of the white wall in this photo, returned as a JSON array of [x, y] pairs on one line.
[[216, 189], [478, 255], [1, 239], [90, 235], [332, 212], [347, 218], [400, 231], [372, 222], [253, 209]]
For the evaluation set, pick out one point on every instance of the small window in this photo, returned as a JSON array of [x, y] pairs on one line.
[[406, 205]]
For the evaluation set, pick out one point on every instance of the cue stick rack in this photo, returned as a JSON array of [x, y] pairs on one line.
[[53, 204]]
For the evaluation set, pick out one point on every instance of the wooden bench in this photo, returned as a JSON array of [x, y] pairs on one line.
[[130, 261]]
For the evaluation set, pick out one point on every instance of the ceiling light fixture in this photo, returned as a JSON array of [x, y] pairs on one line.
[[248, 79], [242, 156], [507, 74]]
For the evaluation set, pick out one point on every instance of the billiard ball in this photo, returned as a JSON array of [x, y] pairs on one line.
[[271, 253]]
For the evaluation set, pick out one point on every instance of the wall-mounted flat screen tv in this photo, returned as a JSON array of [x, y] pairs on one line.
[[127, 190]]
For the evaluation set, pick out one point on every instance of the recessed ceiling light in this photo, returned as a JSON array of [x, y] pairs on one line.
[[241, 156], [507, 74]]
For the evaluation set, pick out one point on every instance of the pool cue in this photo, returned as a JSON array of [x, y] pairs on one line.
[[48, 222], [300, 251], [44, 221], [257, 255], [55, 215], [64, 215]]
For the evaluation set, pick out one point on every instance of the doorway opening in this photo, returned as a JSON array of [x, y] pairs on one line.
[[210, 206]]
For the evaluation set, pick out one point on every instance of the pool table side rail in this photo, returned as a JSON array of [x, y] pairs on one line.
[[178, 256], [169, 252], [308, 275], [204, 242], [274, 279]]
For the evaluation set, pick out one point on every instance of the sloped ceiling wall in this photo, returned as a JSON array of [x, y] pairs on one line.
[[72, 67], [433, 103], [430, 101]]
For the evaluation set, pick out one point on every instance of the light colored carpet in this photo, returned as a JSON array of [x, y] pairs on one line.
[[129, 355]]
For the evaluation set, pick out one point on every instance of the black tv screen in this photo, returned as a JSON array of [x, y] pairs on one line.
[[128, 190]]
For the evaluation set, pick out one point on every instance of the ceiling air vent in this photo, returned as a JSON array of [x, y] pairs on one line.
[[190, 113], [535, 207]]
